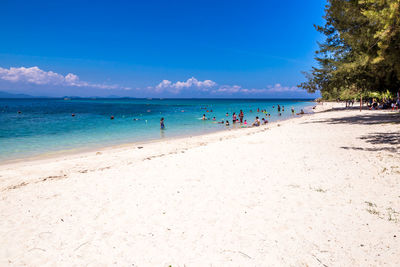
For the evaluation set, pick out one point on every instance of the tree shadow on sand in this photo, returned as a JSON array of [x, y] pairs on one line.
[[381, 141], [391, 142], [366, 119]]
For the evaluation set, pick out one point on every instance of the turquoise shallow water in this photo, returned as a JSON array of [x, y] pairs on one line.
[[30, 127]]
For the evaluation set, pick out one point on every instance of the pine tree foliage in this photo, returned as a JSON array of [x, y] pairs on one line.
[[361, 50]]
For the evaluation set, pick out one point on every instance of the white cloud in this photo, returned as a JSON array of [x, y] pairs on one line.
[[160, 87], [278, 88], [228, 89], [210, 86], [194, 82], [178, 86], [34, 75], [236, 89]]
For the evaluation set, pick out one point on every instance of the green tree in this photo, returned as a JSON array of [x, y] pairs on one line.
[[361, 51]]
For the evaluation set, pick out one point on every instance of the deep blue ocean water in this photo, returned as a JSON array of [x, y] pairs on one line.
[[30, 127]]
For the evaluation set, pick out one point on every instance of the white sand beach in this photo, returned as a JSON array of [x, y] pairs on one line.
[[320, 190]]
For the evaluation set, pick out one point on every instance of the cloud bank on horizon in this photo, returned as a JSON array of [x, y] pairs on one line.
[[45, 83], [34, 75]]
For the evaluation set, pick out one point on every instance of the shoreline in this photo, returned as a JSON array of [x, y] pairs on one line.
[[77, 153], [57, 154]]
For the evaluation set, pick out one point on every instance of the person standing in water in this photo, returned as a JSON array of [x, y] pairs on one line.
[[162, 125], [241, 115], [234, 117]]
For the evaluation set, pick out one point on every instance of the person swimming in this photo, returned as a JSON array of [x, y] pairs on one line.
[[245, 122], [227, 123], [292, 110], [214, 119], [204, 117], [162, 125]]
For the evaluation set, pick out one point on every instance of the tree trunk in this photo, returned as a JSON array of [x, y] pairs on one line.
[[360, 103]]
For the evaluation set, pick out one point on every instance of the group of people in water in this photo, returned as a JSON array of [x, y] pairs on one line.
[[239, 118]]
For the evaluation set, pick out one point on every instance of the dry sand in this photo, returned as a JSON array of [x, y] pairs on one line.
[[320, 190]]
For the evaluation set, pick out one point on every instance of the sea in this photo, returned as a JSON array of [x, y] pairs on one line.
[[42, 126]]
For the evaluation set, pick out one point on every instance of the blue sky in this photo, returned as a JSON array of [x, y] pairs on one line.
[[157, 48]]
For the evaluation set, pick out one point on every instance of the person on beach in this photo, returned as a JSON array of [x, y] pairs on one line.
[[279, 108], [241, 115], [227, 123], [256, 122], [245, 122], [292, 111], [162, 125], [283, 108], [204, 117], [234, 117]]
